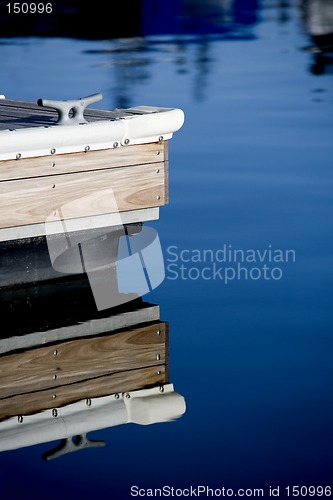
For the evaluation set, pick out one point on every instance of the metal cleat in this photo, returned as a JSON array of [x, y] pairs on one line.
[[71, 112]]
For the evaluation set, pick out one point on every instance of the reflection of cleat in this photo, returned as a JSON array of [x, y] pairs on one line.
[[70, 445]]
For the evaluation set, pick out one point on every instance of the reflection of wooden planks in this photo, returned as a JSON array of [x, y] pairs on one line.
[[33, 320], [32, 201], [131, 380], [80, 162], [80, 360]]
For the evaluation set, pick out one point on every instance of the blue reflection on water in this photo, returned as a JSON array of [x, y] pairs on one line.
[[252, 167]]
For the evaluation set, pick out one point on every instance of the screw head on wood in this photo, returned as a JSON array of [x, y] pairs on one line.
[[18, 156], [115, 144], [87, 148], [52, 151], [54, 413], [20, 419], [126, 141]]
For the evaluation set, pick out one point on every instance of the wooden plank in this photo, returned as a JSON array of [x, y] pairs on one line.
[[26, 329], [166, 182], [80, 162], [17, 114], [32, 201], [74, 361], [132, 380], [166, 159], [166, 150]]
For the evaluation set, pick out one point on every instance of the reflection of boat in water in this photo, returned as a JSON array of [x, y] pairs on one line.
[[68, 379], [318, 15], [318, 19]]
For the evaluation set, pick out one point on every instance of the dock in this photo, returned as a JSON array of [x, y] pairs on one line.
[[69, 169]]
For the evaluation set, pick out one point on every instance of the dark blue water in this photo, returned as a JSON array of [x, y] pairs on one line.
[[251, 170]]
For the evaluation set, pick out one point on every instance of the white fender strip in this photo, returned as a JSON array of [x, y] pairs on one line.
[[148, 125], [147, 406]]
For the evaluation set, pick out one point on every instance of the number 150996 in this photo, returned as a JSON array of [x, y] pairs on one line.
[[308, 491], [29, 8]]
